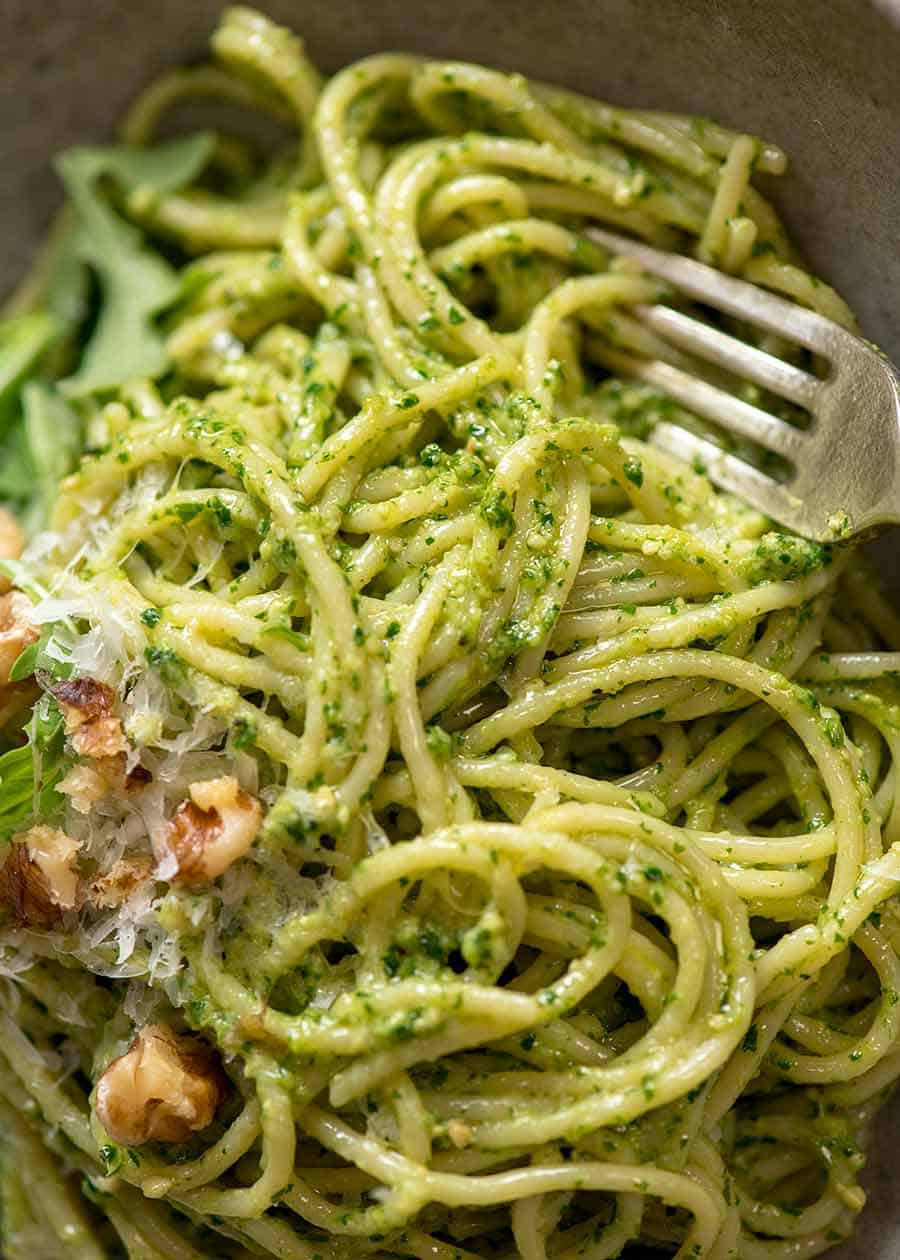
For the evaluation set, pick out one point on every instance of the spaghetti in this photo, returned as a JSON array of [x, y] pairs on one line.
[[446, 826]]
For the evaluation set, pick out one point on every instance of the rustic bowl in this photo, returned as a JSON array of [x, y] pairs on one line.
[[821, 77]]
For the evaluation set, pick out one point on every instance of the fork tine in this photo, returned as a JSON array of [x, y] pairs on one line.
[[728, 471], [724, 409], [735, 297], [737, 356]]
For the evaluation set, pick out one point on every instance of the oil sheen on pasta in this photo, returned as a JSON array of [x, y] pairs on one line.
[[570, 923]]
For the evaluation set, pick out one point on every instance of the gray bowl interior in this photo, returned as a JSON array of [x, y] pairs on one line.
[[821, 77]]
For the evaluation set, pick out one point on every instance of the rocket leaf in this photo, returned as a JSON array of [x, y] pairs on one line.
[[136, 282]]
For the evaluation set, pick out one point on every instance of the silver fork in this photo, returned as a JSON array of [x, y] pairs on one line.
[[844, 469]]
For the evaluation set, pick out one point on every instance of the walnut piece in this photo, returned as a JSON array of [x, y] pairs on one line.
[[163, 1089], [92, 727], [120, 881], [212, 830], [17, 630], [39, 879], [101, 737], [85, 785]]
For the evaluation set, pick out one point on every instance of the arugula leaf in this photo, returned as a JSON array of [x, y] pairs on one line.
[[43, 445], [16, 789], [40, 434], [23, 340], [26, 662], [50, 654], [53, 435], [156, 171], [66, 289], [29, 774], [17, 474], [136, 282]]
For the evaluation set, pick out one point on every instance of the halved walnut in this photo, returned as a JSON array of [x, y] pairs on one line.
[[212, 830], [92, 727], [39, 879], [164, 1088], [17, 630]]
